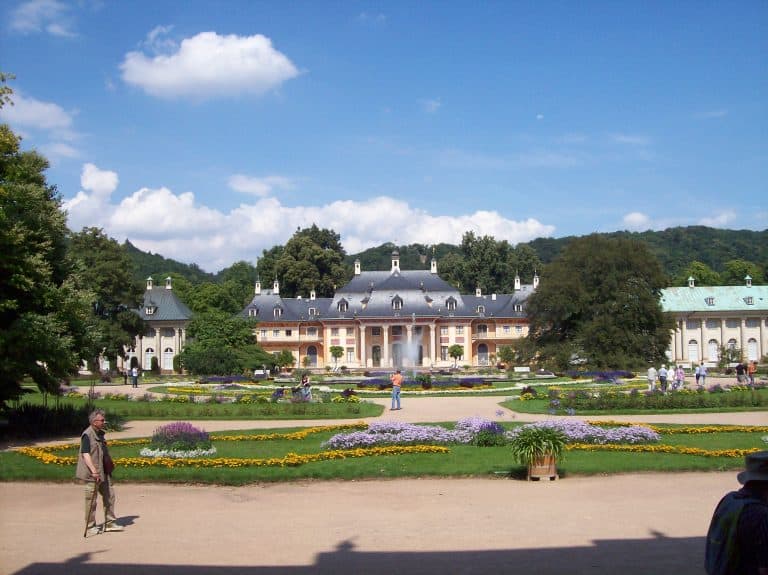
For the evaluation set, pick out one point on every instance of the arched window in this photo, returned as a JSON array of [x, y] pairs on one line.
[[343, 306], [752, 349], [167, 359], [450, 304], [149, 353], [713, 350], [277, 312], [693, 350], [397, 302]]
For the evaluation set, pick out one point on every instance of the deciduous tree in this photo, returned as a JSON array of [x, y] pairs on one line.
[[598, 303]]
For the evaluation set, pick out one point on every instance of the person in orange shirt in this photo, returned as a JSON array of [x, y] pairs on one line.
[[751, 371], [397, 382]]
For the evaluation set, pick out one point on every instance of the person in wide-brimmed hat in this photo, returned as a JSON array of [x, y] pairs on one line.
[[737, 540]]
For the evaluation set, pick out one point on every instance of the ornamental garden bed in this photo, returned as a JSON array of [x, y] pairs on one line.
[[312, 453]]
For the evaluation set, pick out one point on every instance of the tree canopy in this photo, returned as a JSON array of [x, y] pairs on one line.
[[598, 304], [44, 315], [313, 259]]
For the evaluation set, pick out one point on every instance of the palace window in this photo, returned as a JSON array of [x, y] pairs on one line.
[[335, 331], [481, 309], [459, 330], [277, 312], [397, 302], [709, 300], [450, 304], [343, 306], [376, 331]]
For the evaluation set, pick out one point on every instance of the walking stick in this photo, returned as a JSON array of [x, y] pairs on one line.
[[93, 499]]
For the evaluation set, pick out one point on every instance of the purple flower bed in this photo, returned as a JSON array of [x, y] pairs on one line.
[[180, 436], [401, 433], [581, 432]]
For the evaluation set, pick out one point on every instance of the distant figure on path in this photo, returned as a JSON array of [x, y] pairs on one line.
[[751, 371], [741, 373], [651, 378], [679, 377], [397, 382], [135, 376], [698, 374], [663, 378], [737, 540], [703, 374]]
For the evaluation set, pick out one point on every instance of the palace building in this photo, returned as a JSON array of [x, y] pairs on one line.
[[390, 319], [412, 318], [710, 317]]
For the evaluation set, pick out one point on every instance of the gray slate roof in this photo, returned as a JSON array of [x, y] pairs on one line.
[[168, 307], [371, 294]]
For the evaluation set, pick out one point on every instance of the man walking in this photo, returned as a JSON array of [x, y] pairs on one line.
[[94, 466], [135, 376]]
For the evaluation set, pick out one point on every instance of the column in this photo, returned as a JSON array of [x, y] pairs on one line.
[[432, 337], [684, 338], [385, 347], [363, 350], [408, 347]]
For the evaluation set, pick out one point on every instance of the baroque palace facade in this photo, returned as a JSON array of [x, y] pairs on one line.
[[411, 318], [390, 319]]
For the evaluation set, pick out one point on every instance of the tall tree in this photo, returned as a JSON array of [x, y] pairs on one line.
[[736, 271], [221, 344], [313, 259], [702, 274], [599, 303], [106, 270], [43, 316]]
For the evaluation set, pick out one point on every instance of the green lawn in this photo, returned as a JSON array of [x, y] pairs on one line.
[[461, 461]]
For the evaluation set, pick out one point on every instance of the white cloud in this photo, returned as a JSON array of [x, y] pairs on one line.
[[431, 106], [176, 226], [630, 139], [38, 16], [721, 220], [32, 113], [207, 66], [637, 221], [259, 186], [46, 124]]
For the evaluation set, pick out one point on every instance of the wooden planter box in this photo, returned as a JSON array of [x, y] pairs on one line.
[[543, 468]]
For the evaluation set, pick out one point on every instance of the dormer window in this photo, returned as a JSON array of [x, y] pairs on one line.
[[709, 300], [150, 309], [450, 304], [749, 300], [253, 312], [277, 312], [312, 311], [343, 306], [518, 307], [397, 302], [481, 309]]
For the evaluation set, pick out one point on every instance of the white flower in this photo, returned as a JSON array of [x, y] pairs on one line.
[[147, 452]]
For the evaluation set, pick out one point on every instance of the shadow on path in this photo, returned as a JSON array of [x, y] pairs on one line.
[[659, 555]]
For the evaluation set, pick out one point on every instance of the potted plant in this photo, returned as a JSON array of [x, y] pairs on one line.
[[538, 448]]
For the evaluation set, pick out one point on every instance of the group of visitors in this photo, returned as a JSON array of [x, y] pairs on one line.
[[674, 376], [746, 373]]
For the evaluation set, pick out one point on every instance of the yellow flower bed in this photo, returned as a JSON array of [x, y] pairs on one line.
[[289, 460], [675, 449], [688, 429]]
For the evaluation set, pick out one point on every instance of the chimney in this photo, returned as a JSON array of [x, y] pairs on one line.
[[433, 266], [149, 283], [276, 287], [535, 280], [478, 291], [748, 279], [517, 282], [168, 283], [357, 267], [312, 294]]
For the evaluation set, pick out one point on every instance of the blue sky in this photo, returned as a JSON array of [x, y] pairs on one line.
[[208, 131]]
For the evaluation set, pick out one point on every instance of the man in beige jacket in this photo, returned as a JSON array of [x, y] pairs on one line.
[[94, 466]]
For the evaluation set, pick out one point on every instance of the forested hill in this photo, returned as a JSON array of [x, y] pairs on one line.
[[678, 247], [148, 264]]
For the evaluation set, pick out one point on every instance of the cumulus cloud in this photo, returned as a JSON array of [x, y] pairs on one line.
[[178, 227], [38, 16], [207, 66], [259, 186], [637, 221], [721, 220], [50, 126]]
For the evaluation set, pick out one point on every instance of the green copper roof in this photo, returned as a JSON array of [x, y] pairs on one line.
[[715, 298]]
